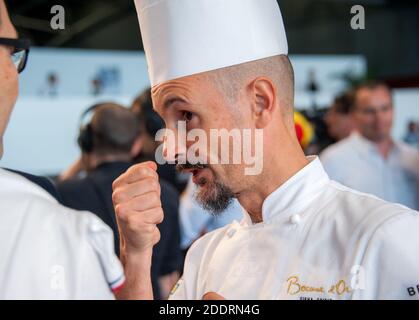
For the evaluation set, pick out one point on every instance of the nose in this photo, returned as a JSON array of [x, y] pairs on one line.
[[174, 146]]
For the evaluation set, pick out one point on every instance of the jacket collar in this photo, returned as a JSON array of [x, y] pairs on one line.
[[295, 194]]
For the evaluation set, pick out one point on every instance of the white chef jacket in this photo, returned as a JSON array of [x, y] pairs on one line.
[[356, 163], [194, 220], [318, 240], [48, 251]]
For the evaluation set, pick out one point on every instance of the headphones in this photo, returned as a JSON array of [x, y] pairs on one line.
[[153, 122], [85, 138]]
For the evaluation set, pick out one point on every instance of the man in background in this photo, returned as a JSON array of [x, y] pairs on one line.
[[369, 160], [412, 134], [338, 118], [108, 143]]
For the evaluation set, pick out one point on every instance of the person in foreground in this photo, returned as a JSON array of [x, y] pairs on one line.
[[49, 251], [218, 64]]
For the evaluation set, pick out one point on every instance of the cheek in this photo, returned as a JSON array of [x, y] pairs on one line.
[[8, 77], [367, 120], [389, 117]]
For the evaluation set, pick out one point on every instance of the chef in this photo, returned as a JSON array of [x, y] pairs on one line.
[[223, 64]]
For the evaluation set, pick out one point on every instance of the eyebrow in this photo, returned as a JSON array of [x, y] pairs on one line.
[[171, 101]]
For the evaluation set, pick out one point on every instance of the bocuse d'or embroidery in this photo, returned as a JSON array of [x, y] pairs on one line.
[[295, 286]]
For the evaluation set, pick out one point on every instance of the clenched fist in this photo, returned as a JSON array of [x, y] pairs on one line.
[[136, 198]]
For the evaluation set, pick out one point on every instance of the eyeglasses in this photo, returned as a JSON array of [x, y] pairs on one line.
[[19, 49]]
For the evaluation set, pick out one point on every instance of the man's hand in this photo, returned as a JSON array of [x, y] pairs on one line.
[[212, 296], [136, 198]]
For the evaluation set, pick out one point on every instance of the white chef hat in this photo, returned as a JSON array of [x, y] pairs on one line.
[[185, 37]]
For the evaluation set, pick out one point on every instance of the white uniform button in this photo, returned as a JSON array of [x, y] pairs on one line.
[[295, 219], [231, 232]]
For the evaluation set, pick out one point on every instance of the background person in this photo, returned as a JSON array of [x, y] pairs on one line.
[[108, 143], [339, 118], [369, 160]]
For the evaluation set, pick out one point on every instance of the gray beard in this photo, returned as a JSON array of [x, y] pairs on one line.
[[216, 198]]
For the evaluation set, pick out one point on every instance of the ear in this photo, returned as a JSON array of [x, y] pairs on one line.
[[263, 97], [136, 147]]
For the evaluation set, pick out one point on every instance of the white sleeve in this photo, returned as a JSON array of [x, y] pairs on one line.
[[101, 272], [392, 260]]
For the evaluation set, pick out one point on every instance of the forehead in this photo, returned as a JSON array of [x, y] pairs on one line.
[[377, 95], [192, 88]]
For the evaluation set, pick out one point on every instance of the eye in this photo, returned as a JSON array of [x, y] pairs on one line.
[[187, 116]]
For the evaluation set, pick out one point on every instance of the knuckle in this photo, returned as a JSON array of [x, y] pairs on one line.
[[132, 223], [115, 184], [120, 211], [160, 215], [133, 168], [158, 235], [143, 171], [149, 228], [118, 197]]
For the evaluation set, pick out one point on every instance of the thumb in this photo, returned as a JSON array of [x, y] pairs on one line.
[[212, 296], [151, 165]]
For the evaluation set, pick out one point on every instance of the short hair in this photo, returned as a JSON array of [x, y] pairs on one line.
[[149, 120], [344, 103], [114, 129], [142, 103], [370, 85]]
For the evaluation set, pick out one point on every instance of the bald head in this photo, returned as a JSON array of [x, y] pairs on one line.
[[277, 68]]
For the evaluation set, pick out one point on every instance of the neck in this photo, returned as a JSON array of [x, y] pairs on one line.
[[384, 147], [276, 171], [96, 160]]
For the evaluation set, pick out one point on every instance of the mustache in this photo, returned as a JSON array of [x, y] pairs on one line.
[[190, 166]]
